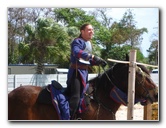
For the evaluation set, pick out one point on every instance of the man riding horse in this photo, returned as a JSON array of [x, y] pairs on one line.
[[81, 57]]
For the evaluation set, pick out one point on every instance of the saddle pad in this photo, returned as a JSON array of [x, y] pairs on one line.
[[118, 96], [60, 103]]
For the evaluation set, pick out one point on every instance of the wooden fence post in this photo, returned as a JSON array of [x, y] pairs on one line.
[[131, 85], [148, 112]]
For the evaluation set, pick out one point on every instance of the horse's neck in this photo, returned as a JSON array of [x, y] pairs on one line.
[[105, 99], [99, 111]]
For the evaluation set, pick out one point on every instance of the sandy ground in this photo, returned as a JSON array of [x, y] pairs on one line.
[[138, 112]]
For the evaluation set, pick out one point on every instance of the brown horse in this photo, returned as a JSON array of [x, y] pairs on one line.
[[23, 103]]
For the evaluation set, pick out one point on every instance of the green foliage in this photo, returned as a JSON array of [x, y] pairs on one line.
[[47, 40], [23, 48], [25, 52], [73, 17], [73, 32], [13, 58], [130, 32], [153, 52]]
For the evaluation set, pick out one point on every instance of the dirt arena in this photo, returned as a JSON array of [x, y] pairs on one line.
[[121, 114]]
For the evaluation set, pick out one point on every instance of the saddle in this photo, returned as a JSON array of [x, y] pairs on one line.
[[45, 94], [54, 94]]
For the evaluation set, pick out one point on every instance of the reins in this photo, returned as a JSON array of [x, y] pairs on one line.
[[142, 83], [96, 97]]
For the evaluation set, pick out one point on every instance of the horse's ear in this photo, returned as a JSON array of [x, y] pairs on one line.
[[127, 57]]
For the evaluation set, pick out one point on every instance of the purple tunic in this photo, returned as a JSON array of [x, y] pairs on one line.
[[81, 49]]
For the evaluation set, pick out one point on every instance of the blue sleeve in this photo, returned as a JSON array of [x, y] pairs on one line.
[[78, 47]]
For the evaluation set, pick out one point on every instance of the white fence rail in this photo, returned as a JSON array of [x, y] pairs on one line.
[[15, 81]]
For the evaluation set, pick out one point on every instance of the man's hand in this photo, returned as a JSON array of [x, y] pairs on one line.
[[99, 61]]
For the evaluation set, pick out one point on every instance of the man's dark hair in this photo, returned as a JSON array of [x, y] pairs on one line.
[[84, 26]]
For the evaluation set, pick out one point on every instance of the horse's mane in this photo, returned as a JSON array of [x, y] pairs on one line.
[[108, 72], [118, 66], [99, 76], [144, 69]]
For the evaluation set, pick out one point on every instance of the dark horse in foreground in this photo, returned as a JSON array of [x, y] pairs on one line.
[[23, 104]]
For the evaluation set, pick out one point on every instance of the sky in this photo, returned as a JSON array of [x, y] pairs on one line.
[[144, 17]]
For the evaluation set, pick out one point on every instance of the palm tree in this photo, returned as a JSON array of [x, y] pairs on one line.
[[44, 34]]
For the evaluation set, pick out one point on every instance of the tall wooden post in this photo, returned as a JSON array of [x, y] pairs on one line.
[[131, 84]]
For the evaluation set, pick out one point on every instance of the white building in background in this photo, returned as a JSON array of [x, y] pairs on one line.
[[31, 69]]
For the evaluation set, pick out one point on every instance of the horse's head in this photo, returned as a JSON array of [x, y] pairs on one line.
[[146, 90]]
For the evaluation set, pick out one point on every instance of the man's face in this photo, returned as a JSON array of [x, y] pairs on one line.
[[87, 33]]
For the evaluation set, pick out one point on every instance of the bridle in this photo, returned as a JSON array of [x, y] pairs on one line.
[[138, 85], [99, 102], [96, 98], [142, 85]]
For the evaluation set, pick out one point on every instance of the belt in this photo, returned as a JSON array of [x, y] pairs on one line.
[[76, 66]]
